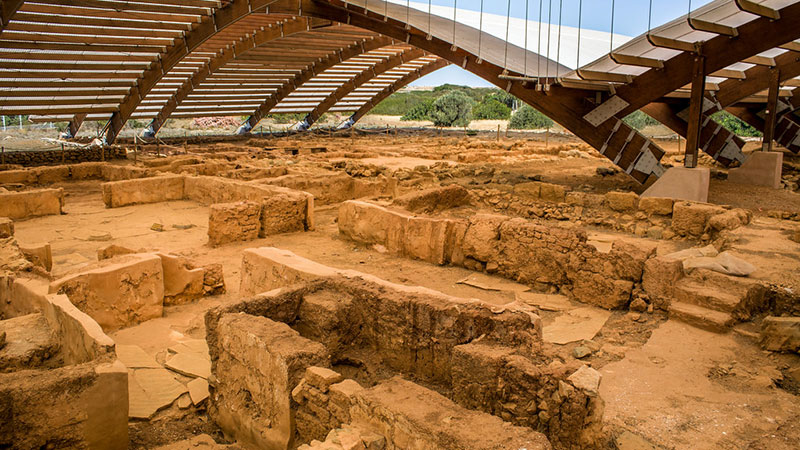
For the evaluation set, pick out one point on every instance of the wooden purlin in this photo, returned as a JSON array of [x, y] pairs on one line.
[[226, 55], [360, 79], [397, 85], [221, 18], [304, 76], [754, 37], [638, 156]]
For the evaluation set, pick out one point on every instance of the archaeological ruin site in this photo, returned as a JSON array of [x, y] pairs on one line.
[[215, 234]]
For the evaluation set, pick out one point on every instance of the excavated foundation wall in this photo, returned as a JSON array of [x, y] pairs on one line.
[[336, 188], [73, 155], [82, 403], [482, 359], [546, 257], [73, 172], [40, 202], [282, 209]]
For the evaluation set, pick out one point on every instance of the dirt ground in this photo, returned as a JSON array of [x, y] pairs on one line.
[[671, 383]]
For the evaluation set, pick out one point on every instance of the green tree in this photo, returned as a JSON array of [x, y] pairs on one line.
[[491, 109], [420, 111], [452, 109], [638, 120], [528, 118], [734, 124], [502, 97]]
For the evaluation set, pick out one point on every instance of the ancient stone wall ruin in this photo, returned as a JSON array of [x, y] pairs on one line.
[[482, 358], [40, 202], [544, 256], [73, 396], [70, 155]]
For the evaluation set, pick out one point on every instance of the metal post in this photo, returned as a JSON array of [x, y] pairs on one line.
[[20, 121], [4, 123], [772, 109], [498, 133], [695, 112], [3, 153], [62, 153]]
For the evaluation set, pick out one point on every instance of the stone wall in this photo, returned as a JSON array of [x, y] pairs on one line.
[[40, 202], [336, 188], [544, 256], [84, 403], [69, 155], [485, 359], [72, 172], [145, 190]]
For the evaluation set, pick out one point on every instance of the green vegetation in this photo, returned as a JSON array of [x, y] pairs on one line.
[[420, 111], [401, 103], [491, 109], [735, 125], [638, 120], [452, 109], [528, 118]]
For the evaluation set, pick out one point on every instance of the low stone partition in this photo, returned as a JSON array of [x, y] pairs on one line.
[[336, 188], [133, 288], [24, 204], [481, 357], [282, 210], [73, 172], [70, 155], [80, 398], [543, 256]]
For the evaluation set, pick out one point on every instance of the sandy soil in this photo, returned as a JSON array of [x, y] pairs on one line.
[[676, 385]]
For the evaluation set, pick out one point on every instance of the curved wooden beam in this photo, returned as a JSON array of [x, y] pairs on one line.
[[355, 83], [209, 26], [634, 153], [356, 49], [224, 56], [391, 89], [8, 9]]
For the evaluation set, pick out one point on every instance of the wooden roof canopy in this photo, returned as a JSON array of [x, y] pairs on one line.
[[118, 60]]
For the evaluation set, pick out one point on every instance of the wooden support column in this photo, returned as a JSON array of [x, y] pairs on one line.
[[771, 117], [695, 111]]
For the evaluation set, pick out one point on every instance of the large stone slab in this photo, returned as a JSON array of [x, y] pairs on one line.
[[781, 334], [125, 292], [233, 222], [41, 202], [143, 190]]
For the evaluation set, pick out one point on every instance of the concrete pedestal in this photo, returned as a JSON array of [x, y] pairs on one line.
[[760, 169], [680, 183]]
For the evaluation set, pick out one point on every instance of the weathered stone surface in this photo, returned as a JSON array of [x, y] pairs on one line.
[[434, 199], [143, 190], [189, 364], [126, 291], [232, 222], [39, 254], [6, 227], [661, 206], [42, 202], [151, 390], [690, 219], [781, 334], [198, 390], [587, 379], [622, 201], [321, 377], [430, 420], [112, 251], [182, 282]]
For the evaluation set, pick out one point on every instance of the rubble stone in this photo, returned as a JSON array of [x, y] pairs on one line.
[[232, 222]]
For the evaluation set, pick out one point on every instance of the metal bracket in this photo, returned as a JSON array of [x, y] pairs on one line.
[[606, 110]]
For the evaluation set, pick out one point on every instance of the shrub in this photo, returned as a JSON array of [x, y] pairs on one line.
[[420, 111], [502, 97], [638, 120], [452, 109], [735, 125], [491, 109], [528, 118]]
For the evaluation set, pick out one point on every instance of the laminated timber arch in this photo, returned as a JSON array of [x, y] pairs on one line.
[[400, 83], [356, 82], [8, 8], [219, 19], [224, 56], [634, 153]]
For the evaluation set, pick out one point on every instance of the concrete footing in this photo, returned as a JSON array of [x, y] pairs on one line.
[[760, 169], [681, 183]]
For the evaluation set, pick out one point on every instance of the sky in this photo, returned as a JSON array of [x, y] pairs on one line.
[[630, 18]]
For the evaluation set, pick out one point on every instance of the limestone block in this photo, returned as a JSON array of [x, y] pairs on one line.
[[39, 254], [42, 202], [50, 175], [680, 183], [321, 377], [286, 213], [112, 251], [781, 334], [660, 275], [552, 193], [622, 201], [481, 240], [123, 292], [6, 227], [372, 224], [426, 238], [265, 269], [661, 206], [531, 189], [690, 219], [434, 199], [17, 177], [232, 222], [182, 282], [87, 171], [587, 379], [143, 190]]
